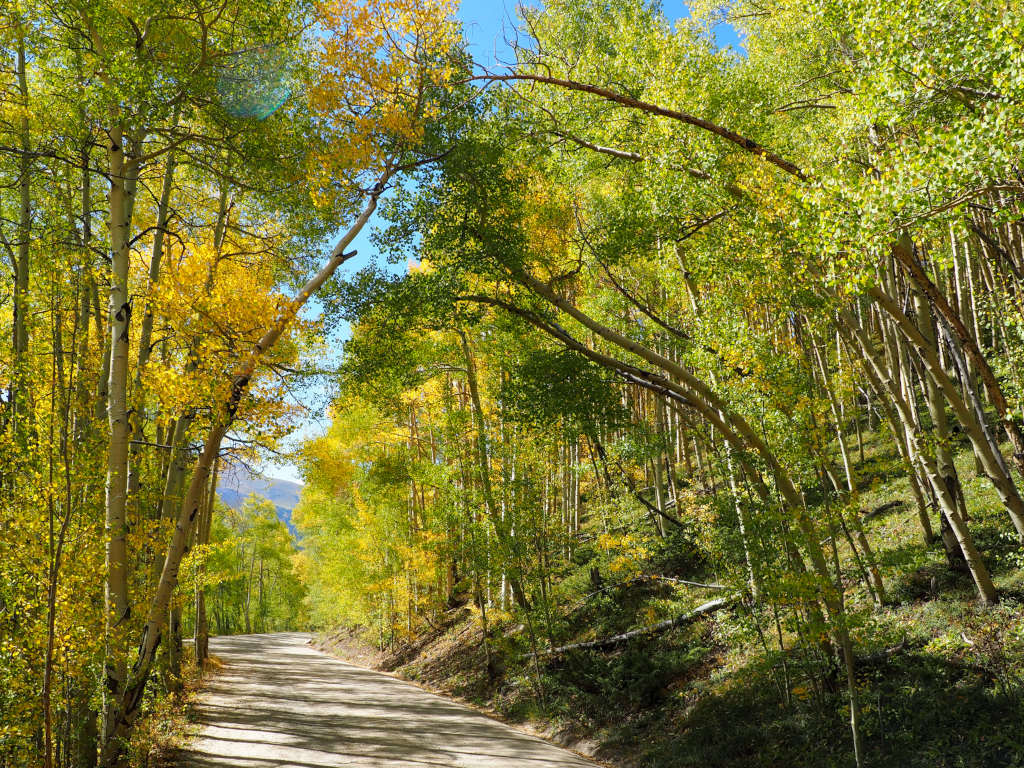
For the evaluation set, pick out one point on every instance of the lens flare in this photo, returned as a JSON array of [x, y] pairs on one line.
[[255, 84]]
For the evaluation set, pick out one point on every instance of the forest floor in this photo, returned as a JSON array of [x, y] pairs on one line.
[[168, 720], [940, 677]]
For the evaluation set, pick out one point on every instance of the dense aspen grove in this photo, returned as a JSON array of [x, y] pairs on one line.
[[661, 316], [170, 172]]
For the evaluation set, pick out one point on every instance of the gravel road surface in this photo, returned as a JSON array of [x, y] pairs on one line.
[[278, 703]]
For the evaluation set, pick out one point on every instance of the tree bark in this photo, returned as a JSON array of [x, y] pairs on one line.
[[117, 603], [126, 708]]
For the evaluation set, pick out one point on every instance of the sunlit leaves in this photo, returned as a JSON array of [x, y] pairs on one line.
[[381, 69]]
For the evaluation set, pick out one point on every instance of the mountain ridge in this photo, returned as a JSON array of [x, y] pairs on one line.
[[238, 484]]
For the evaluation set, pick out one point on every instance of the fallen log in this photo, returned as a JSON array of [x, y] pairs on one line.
[[883, 655], [868, 514], [643, 579], [654, 629], [652, 579]]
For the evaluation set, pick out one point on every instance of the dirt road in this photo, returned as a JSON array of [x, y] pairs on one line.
[[280, 704]]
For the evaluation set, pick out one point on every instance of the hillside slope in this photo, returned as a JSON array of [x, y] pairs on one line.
[[734, 689]]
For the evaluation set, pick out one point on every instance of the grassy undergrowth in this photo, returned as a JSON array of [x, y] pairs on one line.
[[166, 724], [940, 678]]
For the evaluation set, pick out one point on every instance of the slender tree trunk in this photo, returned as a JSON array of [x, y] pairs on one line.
[[1001, 480], [941, 444], [744, 527], [876, 583], [118, 608], [202, 631], [902, 436], [883, 381], [19, 381], [248, 590], [146, 327], [56, 550], [904, 253], [483, 463], [103, 384], [126, 708]]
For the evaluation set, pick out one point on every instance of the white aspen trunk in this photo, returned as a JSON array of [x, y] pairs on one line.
[[248, 589], [900, 436], [877, 584], [575, 487], [961, 269], [501, 528], [1001, 480], [994, 463], [103, 384], [656, 478], [202, 628], [873, 367], [117, 602], [146, 329], [744, 526], [940, 424], [126, 708], [19, 379]]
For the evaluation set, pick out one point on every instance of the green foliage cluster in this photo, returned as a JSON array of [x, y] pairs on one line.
[[247, 572]]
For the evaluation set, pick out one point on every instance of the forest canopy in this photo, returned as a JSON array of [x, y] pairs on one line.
[[658, 313]]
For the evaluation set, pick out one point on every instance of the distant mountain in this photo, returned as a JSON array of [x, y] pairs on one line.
[[236, 484]]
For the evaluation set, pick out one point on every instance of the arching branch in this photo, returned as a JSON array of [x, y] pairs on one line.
[[625, 100]]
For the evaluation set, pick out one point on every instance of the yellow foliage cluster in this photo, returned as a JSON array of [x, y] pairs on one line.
[[378, 66], [215, 307], [631, 551]]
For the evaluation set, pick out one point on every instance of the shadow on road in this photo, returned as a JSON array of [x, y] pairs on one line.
[[280, 704]]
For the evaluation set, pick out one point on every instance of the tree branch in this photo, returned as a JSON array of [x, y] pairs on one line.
[[739, 140]]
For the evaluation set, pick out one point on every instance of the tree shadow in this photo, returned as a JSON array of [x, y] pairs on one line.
[[919, 710], [277, 702]]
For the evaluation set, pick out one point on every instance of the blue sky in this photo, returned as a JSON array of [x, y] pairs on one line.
[[487, 24], [483, 22]]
